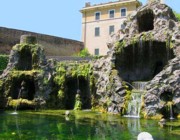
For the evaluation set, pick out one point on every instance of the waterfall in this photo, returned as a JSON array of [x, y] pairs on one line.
[[170, 104], [140, 86], [134, 105], [15, 110], [171, 113]]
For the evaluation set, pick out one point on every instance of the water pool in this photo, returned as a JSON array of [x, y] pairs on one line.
[[81, 125]]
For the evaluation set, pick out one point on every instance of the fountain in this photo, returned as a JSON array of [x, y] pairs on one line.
[[22, 93], [15, 110], [134, 105], [170, 110], [171, 113]]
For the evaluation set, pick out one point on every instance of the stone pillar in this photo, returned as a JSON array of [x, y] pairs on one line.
[[28, 39]]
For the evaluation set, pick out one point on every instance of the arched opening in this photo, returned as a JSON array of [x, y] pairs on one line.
[[168, 109], [145, 21], [72, 86], [22, 88], [25, 60], [166, 97], [142, 62]]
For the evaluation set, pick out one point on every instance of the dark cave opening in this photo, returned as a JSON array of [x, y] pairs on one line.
[[25, 60], [22, 88], [145, 21], [72, 86], [142, 63], [166, 96], [157, 67], [169, 110]]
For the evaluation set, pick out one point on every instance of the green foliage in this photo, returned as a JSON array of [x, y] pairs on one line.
[[177, 15], [60, 94], [66, 71], [3, 61], [84, 53], [18, 102], [78, 103], [127, 99], [119, 46]]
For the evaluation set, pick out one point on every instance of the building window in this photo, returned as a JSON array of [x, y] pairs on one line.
[[97, 31], [111, 29], [122, 26], [97, 15], [96, 52], [123, 12], [111, 13]]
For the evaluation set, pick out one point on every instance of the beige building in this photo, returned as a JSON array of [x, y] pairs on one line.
[[101, 20]]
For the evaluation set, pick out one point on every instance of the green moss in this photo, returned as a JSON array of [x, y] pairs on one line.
[[1, 83], [33, 49], [20, 102], [20, 74]]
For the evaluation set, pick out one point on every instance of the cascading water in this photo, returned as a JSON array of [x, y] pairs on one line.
[[171, 113], [15, 110], [140, 86], [170, 108], [134, 106]]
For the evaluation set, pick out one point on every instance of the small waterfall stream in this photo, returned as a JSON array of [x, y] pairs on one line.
[[134, 106], [15, 110], [171, 113]]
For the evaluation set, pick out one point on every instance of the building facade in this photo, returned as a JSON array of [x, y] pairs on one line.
[[102, 20]]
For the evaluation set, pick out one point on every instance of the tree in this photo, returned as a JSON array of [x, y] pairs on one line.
[[84, 53]]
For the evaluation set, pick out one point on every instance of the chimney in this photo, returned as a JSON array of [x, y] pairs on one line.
[[87, 4]]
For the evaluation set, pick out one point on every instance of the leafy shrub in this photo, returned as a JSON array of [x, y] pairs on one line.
[[84, 53]]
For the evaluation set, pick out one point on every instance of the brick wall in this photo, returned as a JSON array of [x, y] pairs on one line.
[[53, 46]]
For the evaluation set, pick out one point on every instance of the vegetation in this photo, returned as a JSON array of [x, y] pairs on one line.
[[3, 62], [177, 16], [84, 53], [78, 103], [63, 73], [20, 102]]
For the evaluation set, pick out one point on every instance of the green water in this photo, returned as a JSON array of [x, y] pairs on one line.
[[83, 125]]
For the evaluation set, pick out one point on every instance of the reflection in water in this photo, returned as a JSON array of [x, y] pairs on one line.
[[86, 125]]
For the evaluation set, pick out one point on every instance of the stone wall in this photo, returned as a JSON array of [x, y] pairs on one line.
[[54, 46]]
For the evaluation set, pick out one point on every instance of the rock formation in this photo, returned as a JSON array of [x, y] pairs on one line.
[[27, 71], [148, 51]]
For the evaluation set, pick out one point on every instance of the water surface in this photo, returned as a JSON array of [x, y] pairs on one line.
[[83, 125]]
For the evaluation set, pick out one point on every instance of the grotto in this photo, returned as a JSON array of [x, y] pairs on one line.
[[144, 61]]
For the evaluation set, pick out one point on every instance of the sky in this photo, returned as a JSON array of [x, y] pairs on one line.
[[53, 17]]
